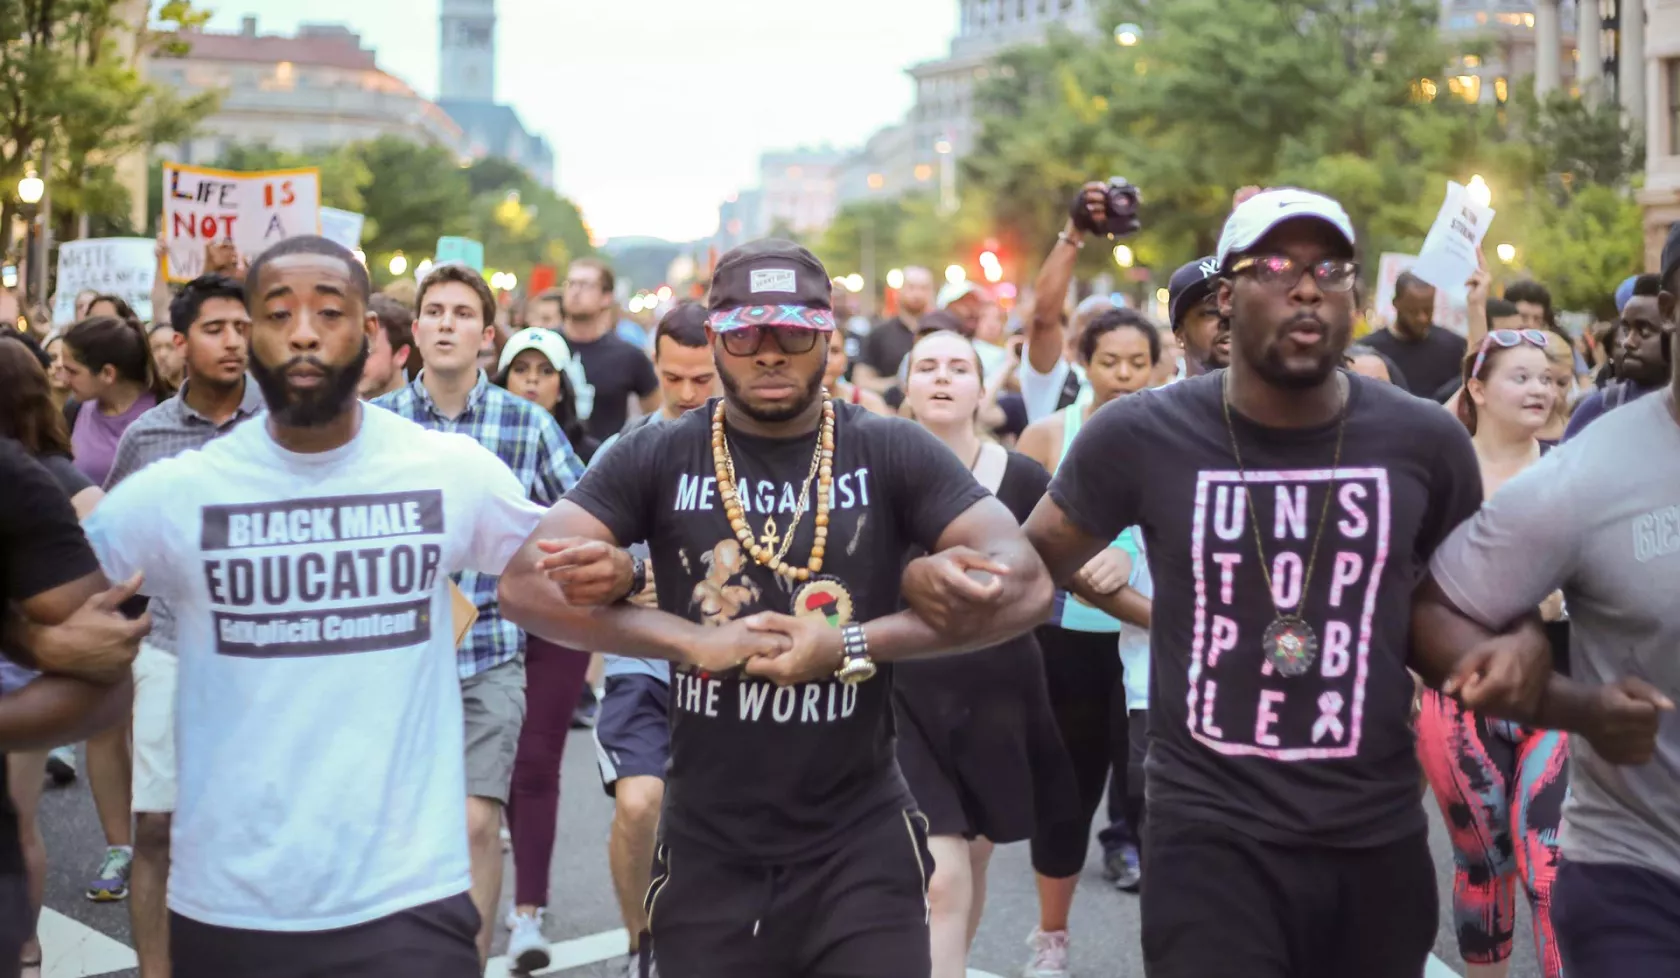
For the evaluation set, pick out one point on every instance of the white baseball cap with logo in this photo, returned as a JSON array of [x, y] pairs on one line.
[[1259, 215], [545, 341]]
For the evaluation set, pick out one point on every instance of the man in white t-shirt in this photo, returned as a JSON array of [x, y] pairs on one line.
[[319, 826]]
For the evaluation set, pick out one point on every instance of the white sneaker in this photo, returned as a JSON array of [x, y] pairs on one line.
[[527, 949], [1050, 955]]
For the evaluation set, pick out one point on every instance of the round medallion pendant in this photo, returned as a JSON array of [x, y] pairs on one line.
[[1291, 646]]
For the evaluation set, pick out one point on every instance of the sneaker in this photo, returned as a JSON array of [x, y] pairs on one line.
[[583, 717], [1050, 955], [1128, 875], [527, 948], [112, 882], [61, 765]]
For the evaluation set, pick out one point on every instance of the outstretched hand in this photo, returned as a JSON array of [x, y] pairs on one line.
[[97, 642]]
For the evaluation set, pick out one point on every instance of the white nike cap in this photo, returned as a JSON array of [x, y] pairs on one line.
[[1257, 216], [545, 341]]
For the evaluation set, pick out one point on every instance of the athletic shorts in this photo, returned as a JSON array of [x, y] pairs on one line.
[[633, 728], [859, 912], [1616, 921], [155, 674], [1219, 904], [494, 706], [435, 940]]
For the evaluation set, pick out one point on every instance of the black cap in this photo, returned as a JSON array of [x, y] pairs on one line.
[[770, 283], [1189, 285], [1670, 256]]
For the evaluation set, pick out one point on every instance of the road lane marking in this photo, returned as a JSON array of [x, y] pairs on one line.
[[72, 949]]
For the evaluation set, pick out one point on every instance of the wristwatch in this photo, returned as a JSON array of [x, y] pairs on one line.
[[638, 576], [855, 664]]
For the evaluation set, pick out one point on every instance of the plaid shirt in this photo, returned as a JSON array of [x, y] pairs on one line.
[[529, 440], [166, 431]]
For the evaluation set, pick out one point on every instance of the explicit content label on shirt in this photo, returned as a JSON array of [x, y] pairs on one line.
[[1239, 703], [328, 576]]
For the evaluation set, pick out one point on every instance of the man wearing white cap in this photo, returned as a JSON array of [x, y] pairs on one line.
[[454, 322], [967, 301], [1288, 508]]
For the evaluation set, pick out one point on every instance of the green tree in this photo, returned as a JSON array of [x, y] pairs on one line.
[[417, 195], [71, 91], [1345, 96], [1582, 249], [521, 222]]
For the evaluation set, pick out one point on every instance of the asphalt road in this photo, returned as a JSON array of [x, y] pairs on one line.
[[1104, 924]]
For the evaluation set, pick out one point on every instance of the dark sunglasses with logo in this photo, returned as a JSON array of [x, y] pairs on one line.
[[1331, 274], [746, 341]]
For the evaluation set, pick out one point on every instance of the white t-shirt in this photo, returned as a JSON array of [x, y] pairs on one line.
[[319, 715], [1042, 393]]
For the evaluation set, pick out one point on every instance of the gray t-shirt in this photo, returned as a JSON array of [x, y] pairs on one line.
[[1599, 518]]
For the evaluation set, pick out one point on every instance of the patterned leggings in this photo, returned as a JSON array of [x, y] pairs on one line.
[[1501, 788]]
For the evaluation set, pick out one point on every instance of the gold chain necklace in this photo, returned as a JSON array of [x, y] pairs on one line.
[[768, 554], [1290, 643]]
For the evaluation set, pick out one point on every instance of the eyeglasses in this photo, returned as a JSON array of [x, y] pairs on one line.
[[1331, 274], [1507, 338], [747, 340]]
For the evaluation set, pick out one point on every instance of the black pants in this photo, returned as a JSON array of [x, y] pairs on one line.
[[1217, 904], [1616, 921], [1082, 671], [437, 940], [17, 920], [861, 912]]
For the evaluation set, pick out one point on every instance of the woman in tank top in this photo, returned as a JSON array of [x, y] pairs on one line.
[[1119, 350], [1500, 785], [976, 739]]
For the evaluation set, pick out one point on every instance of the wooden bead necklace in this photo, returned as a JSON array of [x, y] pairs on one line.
[[767, 553]]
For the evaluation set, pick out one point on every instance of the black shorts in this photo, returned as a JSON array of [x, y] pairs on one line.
[[1616, 921], [1218, 904], [435, 940], [860, 912], [633, 728]]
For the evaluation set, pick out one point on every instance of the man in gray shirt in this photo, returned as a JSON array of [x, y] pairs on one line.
[[1600, 519], [212, 329]]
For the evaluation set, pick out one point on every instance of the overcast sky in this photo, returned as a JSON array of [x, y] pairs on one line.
[[658, 109]]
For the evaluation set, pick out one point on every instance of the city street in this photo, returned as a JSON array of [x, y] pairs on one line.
[[85, 939]]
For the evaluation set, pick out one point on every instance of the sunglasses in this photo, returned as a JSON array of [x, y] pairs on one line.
[[1331, 274], [747, 340], [1505, 339]]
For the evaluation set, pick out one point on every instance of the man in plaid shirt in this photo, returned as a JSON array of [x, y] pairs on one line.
[[454, 321]]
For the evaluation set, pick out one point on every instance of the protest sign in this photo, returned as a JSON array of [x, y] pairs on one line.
[[255, 210], [1451, 305], [1448, 256], [343, 227], [462, 251], [123, 267]]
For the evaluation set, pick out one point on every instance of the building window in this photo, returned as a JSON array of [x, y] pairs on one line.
[[1671, 79]]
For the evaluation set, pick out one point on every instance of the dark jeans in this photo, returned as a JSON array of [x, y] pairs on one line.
[[554, 679]]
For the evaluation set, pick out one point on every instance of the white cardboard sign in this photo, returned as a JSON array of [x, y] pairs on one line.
[[256, 210], [123, 267]]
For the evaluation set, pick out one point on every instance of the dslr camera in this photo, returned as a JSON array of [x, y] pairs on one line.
[[1120, 203]]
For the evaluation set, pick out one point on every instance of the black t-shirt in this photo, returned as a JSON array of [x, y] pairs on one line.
[[1427, 364], [887, 345], [760, 772], [616, 370], [1326, 758], [41, 547]]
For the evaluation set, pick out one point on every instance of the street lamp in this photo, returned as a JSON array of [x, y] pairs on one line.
[[399, 264], [1127, 35], [1507, 253], [31, 189], [424, 268], [895, 278], [1123, 256], [1479, 191], [955, 274]]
